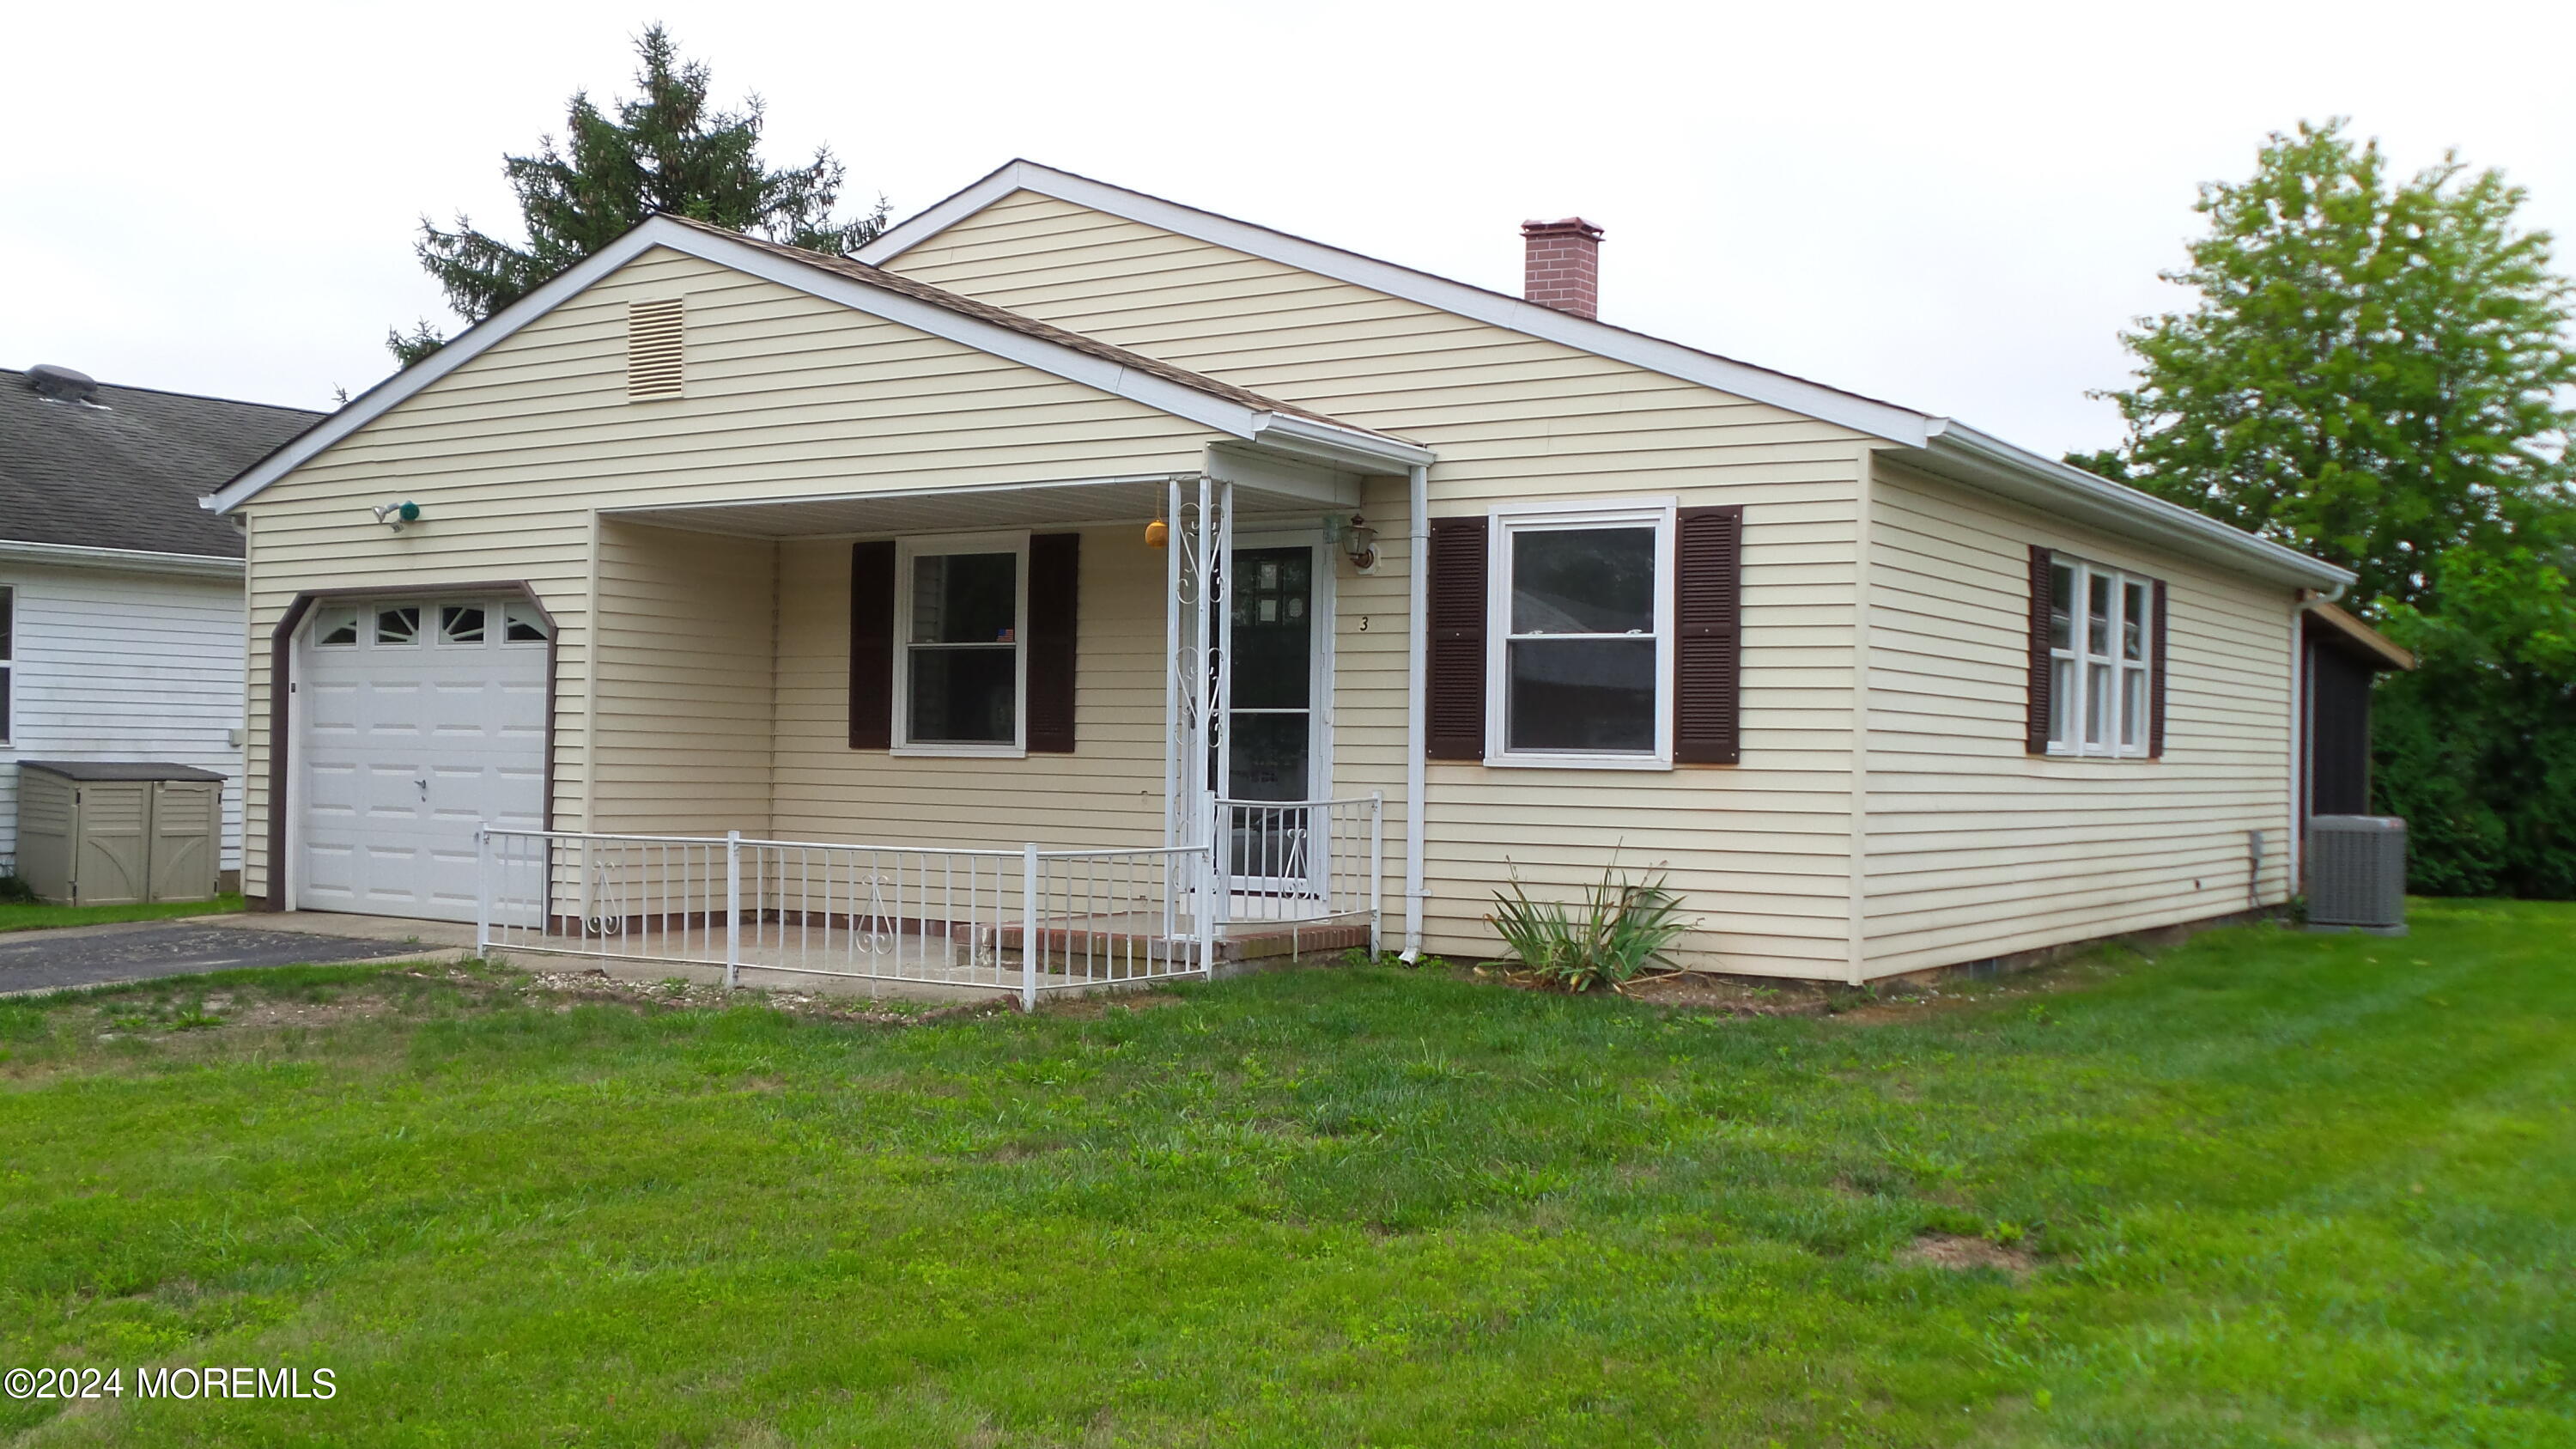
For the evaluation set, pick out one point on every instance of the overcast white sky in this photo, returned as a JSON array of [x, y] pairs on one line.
[[1955, 207]]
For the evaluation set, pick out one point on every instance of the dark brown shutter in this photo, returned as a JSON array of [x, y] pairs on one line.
[[871, 646], [1055, 591], [2042, 582], [1457, 644], [2156, 680], [1708, 653]]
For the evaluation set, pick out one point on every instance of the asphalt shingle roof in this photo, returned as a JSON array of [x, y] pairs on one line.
[[128, 473]]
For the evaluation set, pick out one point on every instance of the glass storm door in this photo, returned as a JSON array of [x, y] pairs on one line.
[[1269, 744]]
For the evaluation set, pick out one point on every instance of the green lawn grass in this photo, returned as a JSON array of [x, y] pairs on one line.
[[18, 916], [2273, 1189]]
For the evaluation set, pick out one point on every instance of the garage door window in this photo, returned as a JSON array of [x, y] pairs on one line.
[[522, 624], [336, 629], [400, 625], [460, 624]]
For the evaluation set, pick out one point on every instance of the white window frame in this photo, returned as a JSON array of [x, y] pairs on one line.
[[424, 631], [359, 619], [908, 549], [2083, 661], [514, 611], [1508, 521]]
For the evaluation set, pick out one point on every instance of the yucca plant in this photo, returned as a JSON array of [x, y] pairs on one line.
[[1620, 929]]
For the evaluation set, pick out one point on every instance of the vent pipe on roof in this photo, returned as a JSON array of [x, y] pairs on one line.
[[62, 383], [1564, 265]]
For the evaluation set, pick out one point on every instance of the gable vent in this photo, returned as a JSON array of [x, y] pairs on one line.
[[653, 348]]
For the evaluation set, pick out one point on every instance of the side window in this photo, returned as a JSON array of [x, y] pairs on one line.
[[2101, 643]]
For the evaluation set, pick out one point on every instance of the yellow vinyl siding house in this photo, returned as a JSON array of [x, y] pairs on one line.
[[855, 554]]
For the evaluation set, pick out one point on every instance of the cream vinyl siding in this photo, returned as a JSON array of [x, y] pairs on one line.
[[686, 681], [509, 456], [1761, 851], [1977, 848], [1109, 793]]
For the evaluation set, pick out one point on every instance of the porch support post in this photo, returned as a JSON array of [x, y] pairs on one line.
[[1176, 652], [1221, 701]]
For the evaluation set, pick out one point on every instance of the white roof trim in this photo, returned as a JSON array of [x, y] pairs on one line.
[[1259, 426], [1863, 415], [1937, 444], [68, 555], [1962, 454]]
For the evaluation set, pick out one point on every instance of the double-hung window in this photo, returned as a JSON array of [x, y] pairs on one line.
[[8, 654], [2101, 656], [961, 673], [1581, 643]]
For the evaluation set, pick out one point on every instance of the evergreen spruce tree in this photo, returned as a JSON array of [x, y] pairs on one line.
[[664, 151]]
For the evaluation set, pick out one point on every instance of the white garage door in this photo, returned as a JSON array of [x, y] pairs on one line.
[[421, 720]]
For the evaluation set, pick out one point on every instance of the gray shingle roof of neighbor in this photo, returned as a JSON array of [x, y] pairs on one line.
[[126, 470]]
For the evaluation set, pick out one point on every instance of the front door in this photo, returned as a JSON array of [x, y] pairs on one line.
[[1269, 745]]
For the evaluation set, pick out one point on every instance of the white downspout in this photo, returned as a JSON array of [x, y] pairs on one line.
[[1417, 705]]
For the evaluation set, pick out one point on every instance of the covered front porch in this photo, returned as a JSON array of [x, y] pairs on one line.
[[904, 735]]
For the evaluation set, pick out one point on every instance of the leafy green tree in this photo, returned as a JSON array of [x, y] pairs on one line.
[[2375, 371], [2477, 746], [664, 151]]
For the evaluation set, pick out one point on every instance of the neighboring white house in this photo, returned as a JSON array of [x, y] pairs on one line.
[[121, 612]]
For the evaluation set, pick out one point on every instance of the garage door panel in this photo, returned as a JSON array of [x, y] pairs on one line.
[[465, 716]]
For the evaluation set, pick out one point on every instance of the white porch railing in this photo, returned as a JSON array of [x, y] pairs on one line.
[[1304, 861], [1027, 920]]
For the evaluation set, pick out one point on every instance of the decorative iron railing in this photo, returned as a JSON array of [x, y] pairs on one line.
[[1028, 920]]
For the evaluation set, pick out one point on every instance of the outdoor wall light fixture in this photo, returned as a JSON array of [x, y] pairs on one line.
[[395, 515], [1358, 540]]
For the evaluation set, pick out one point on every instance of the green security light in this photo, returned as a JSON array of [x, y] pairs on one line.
[[395, 515]]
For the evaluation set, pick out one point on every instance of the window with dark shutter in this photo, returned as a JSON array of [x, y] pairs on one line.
[[1055, 564], [872, 579], [2156, 679], [1456, 647], [1708, 661], [2043, 663], [2097, 650]]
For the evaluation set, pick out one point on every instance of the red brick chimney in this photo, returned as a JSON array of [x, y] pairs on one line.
[[1564, 268]]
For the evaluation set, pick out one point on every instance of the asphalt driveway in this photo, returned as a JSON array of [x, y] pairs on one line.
[[49, 960]]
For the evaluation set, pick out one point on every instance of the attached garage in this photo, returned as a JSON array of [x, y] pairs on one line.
[[419, 719]]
